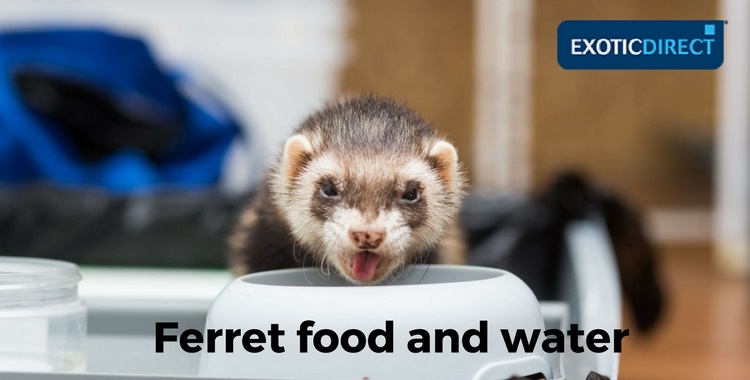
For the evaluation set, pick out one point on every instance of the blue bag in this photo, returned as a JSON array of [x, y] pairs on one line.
[[87, 108]]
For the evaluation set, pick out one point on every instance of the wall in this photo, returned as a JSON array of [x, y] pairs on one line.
[[646, 133], [420, 52]]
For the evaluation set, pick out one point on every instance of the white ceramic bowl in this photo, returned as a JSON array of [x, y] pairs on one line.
[[424, 297]]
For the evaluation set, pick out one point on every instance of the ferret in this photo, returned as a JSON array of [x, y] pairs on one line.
[[364, 186]]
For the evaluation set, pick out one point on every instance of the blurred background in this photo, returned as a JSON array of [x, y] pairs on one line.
[[215, 87]]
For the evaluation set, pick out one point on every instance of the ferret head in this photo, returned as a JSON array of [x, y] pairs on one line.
[[367, 186]]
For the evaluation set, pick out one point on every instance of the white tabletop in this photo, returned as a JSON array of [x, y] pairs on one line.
[[109, 283]]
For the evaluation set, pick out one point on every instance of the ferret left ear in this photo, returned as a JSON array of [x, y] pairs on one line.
[[445, 159]]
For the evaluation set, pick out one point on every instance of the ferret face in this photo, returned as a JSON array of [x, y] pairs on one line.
[[367, 214]]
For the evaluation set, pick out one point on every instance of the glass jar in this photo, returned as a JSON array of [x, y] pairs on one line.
[[42, 320]]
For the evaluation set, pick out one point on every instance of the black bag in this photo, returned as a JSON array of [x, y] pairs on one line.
[[185, 229], [526, 237]]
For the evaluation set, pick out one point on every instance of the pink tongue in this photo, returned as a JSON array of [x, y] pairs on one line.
[[365, 264]]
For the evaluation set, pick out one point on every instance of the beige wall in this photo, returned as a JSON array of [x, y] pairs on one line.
[[631, 129], [641, 132], [419, 52]]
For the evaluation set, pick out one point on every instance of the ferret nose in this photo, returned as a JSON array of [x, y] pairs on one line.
[[367, 239]]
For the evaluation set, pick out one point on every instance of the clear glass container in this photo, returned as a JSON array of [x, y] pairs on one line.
[[42, 320]]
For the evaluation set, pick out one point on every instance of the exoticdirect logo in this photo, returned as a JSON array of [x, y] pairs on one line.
[[640, 45]]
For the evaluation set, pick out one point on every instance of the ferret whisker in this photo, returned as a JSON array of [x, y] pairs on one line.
[[326, 269], [294, 252], [305, 271], [412, 268], [424, 274], [400, 270]]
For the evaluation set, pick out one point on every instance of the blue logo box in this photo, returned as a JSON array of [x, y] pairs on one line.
[[640, 45]]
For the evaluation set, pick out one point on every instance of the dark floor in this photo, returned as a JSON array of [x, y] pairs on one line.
[[706, 331]]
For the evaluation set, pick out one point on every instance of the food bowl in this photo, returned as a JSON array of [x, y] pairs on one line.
[[424, 303]]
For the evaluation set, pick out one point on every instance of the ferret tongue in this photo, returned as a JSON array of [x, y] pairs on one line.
[[365, 264]]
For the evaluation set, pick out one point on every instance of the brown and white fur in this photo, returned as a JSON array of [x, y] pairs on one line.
[[364, 187]]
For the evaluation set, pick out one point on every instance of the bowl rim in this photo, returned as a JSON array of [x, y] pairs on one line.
[[267, 278]]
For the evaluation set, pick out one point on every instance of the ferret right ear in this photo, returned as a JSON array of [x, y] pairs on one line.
[[297, 152], [445, 159]]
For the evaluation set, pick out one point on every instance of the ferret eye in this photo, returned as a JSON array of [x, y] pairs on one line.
[[328, 191], [411, 195]]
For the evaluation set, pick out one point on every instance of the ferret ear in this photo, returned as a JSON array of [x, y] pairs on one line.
[[445, 159], [297, 151]]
